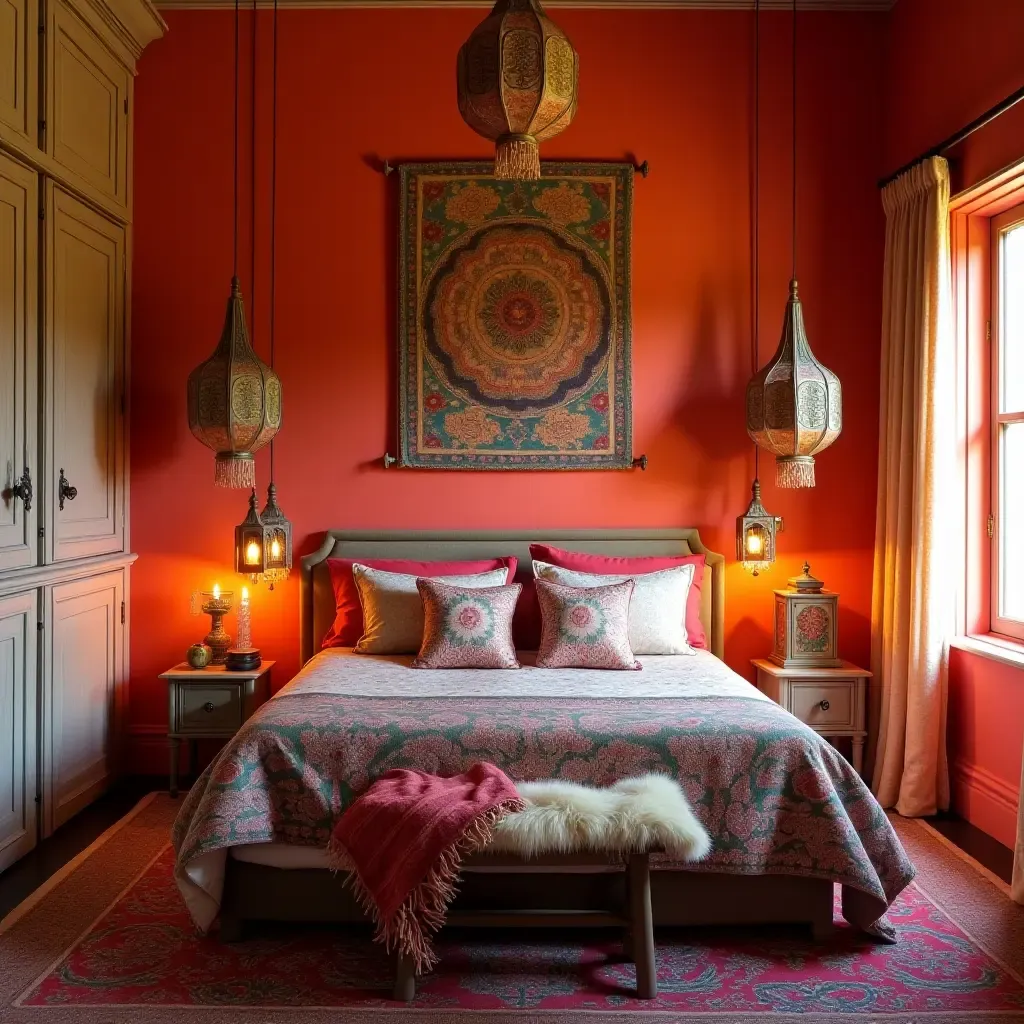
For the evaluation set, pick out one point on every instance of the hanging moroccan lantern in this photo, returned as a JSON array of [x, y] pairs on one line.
[[755, 534], [794, 404], [278, 557], [234, 400], [517, 77]]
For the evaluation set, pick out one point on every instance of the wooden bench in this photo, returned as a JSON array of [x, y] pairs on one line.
[[634, 918]]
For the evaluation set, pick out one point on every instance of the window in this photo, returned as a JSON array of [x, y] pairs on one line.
[[1008, 422]]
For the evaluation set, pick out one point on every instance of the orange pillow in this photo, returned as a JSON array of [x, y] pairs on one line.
[[348, 616]]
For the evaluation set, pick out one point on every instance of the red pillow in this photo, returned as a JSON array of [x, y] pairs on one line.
[[616, 565], [348, 616]]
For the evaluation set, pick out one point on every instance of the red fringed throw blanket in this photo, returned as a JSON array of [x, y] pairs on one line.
[[403, 841]]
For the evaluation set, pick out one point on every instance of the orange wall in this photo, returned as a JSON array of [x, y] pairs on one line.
[[672, 87], [947, 63]]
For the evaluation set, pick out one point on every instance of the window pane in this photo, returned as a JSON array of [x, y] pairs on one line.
[[1011, 300], [1011, 522]]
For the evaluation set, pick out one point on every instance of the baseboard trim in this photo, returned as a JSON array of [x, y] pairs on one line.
[[985, 800]]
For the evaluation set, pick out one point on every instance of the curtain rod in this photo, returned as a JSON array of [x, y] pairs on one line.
[[979, 122]]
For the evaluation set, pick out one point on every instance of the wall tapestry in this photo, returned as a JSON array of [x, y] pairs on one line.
[[514, 317]]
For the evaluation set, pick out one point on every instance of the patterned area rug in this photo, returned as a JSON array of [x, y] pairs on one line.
[[137, 956]]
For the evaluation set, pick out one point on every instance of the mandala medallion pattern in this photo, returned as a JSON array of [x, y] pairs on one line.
[[514, 318]]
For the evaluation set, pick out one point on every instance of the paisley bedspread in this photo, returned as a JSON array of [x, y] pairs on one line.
[[775, 797]]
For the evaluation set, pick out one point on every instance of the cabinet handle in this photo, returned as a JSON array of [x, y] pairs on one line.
[[824, 705], [65, 490], [208, 707], [22, 488]]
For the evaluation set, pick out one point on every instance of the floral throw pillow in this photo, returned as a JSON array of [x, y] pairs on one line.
[[467, 627], [585, 627]]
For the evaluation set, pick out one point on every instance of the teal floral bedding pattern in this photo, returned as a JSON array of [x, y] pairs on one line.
[[774, 796]]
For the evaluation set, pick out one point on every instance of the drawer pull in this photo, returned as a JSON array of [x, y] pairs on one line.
[[209, 706], [824, 705]]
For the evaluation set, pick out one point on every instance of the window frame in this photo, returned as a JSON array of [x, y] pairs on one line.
[[1000, 224]]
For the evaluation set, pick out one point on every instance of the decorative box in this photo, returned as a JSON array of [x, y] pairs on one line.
[[806, 624]]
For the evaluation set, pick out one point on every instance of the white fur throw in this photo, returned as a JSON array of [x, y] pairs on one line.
[[633, 815]]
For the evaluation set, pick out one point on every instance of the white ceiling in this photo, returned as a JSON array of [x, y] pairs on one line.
[[705, 5]]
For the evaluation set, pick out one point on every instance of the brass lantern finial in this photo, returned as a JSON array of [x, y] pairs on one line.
[[517, 80]]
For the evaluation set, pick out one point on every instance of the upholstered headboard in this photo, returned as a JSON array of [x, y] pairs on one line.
[[317, 597]]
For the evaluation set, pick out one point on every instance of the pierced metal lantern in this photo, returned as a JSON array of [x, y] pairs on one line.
[[251, 543], [755, 534], [517, 81], [278, 533], [794, 404], [234, 400]]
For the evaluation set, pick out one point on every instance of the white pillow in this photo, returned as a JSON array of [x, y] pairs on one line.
[[393, 609], [657, 613]]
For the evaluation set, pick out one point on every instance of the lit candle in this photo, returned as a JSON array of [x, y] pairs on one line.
[[216, 591], [252, 553], [754, 543], [275, 549]]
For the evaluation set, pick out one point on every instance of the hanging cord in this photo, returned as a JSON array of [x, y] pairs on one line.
[[794, 140], [252, 147], [273, 218], [234, 179], [755, 355]]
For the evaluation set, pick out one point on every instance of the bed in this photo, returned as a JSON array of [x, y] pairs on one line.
[[788, 816]]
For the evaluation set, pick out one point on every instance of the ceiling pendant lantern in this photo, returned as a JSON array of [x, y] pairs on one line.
[[234, 400], [517, 80], [756, 528], [794, 404], [277, 562], [755, 534]]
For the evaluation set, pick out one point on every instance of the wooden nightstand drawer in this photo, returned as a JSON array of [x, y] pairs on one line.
[[206, 709], [823, 705]]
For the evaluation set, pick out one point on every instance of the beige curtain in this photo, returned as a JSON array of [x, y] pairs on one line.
[[913, 604]]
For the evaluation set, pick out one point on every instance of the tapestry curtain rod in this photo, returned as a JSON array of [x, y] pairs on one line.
[[947, 144]]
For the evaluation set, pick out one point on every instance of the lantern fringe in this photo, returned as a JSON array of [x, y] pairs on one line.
[[517, 158], [794, 472], [235, 471]]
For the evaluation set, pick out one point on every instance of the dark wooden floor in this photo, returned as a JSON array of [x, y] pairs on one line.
[[23, 878]]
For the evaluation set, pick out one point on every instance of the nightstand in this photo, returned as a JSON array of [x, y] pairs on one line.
[[210, 703], [832, 701]]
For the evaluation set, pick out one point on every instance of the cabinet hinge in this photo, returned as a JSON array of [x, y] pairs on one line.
[[122, 613], [126, 104], [42, 213], [39, 627], [990, 525], [42, 531], [988, 330]]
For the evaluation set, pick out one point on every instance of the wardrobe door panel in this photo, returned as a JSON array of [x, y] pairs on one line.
[[87, 104], [84, 345], [19, 66], [17, 726], [19, 233], [81, 692]]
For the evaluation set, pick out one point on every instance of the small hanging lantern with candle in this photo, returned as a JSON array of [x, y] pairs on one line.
[[755, 534], [251, 543], [517, 81], [278, 533]]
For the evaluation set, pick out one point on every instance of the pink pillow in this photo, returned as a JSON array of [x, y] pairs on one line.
[[464, 628], [585, 627], [607, 565], [348, 617]]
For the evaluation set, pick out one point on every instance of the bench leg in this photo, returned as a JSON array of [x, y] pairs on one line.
[[405, 979], [642, 925], [627, 932]]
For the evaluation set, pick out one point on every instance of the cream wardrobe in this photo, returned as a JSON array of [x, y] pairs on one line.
[[66, 76]]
